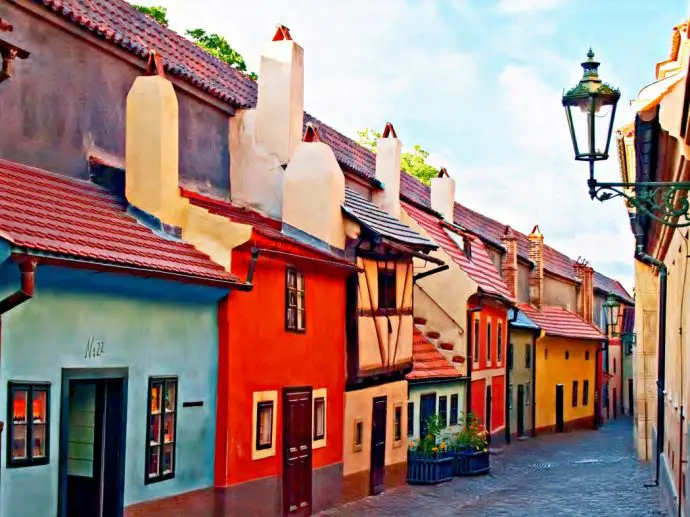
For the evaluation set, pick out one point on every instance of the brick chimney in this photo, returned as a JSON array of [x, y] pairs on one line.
[[536, 277], [388, 171], [151, 150], [443, 195], [585, 294], [280, 103], [314, 192], [510, 267]]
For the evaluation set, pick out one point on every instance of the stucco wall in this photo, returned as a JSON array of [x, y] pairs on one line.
[[560, 293], [523, 283], [67, 101], [148, 336], [553, 368], [359, 405], [441, 389], [521, 375]]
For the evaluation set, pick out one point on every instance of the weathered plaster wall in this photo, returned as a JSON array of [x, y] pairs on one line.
[[560, 293], [150, 334], [553, 368], [521, 375], [523, 283], [440, 389], [359, 405], [55, 117]]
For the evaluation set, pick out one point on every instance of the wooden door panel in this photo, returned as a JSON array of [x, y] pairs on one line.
[[378, 444], [297, 452]]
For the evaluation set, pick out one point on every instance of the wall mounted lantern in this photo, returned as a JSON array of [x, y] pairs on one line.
[[612, 308], [8, 53], [590, 108]]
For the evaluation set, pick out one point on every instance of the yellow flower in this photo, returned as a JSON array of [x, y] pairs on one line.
[[443, 445]]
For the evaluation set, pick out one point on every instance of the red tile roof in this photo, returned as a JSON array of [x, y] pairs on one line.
[[118, 23], [428, 363], [50, 213], [556, 321], [479, 268]]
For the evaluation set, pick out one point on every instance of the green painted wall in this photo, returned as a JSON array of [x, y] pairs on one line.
[[521, 375], [441, 389], [150, 328]]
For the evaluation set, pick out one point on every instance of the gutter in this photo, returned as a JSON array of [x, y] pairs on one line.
[[27, 268], [661, 359]]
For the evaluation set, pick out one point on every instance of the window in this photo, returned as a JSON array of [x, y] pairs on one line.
[[528, 356], [614, 365], [476, 340], [358, 436], [585, 393], [488, 343], [162, 417], [397, 427], [410, 418], [443, 411], [29, 435], [454, 409], [510, 356], [575, 393], [499, 346], [510, 396], [527, 396], [264, 425], [319, 418], [586, 355], [567, 355], [387, 292], [294, 301]]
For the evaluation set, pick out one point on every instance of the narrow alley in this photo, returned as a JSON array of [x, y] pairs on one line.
[[581, 473]]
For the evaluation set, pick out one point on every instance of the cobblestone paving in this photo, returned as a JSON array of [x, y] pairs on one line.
[[585, 473]]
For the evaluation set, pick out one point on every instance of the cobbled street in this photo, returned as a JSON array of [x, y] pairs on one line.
[[583, 473]]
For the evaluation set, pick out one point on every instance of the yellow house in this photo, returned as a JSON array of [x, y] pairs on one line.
[[567, 362]]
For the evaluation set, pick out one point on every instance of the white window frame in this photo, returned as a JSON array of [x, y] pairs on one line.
[[264, 396], [319, 393]]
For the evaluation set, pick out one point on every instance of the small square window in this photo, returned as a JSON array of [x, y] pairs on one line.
[[410, 418], [567, 355], [586, 355], [397, 428], [454, 409], [488, 343], [387, 289], [264, 425], [528, 356], [295, 313], [575, 393], [499, 346], [443, 411], [585, 393], [476, 340], [28, 407], [162, 420], [359, 435], [319, 418]]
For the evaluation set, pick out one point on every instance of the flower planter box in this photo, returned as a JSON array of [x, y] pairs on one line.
[[426, 470], [470, 463]]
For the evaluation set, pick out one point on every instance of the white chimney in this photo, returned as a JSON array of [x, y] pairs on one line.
[[443, 195], [280, 103], [388, 171], [314, 192], [151, 151]]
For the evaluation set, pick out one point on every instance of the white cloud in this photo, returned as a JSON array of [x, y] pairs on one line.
[[519, 6]]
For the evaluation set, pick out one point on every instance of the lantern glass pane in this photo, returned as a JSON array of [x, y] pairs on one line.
[[602, 120], [580, 120]]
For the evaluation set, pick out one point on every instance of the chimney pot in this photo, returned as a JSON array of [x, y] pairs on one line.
[[388, 152], [510, 266], [443, 195]]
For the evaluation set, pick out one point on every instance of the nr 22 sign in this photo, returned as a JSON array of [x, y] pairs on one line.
[[94, 348]]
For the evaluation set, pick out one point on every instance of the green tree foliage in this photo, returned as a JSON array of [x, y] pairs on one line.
[[218, 46], [158, 13], [413, 162]]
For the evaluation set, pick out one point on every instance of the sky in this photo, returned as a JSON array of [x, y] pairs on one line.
[[477, 83]]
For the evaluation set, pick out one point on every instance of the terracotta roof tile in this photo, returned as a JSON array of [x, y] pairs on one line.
[[428, 362], [480, 268], [46, 212], [556, 321]]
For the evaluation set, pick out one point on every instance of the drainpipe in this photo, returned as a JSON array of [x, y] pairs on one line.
[[661, 372], [508, 395], [598, 383], [533, 393], [468, 354]]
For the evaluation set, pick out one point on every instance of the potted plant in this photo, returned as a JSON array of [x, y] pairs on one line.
[[470, 449], [428, 459]]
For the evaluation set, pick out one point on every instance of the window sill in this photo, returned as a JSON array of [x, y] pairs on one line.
[[318, 444], [397, 443]]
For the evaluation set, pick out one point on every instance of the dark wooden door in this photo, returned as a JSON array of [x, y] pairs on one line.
[[93, 454], [615, 403], [427, 410], [378, 444], [631, 398], [521, 410], [297, 452], [559, 408]]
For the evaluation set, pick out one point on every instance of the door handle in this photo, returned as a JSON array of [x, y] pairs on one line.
[[303, 448], [293, 449], [303, 504]]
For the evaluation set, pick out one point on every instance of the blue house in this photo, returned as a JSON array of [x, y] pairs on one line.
[[109, 337]]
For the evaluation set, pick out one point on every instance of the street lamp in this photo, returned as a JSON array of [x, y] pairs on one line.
[[590, 108], [612, 307]]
